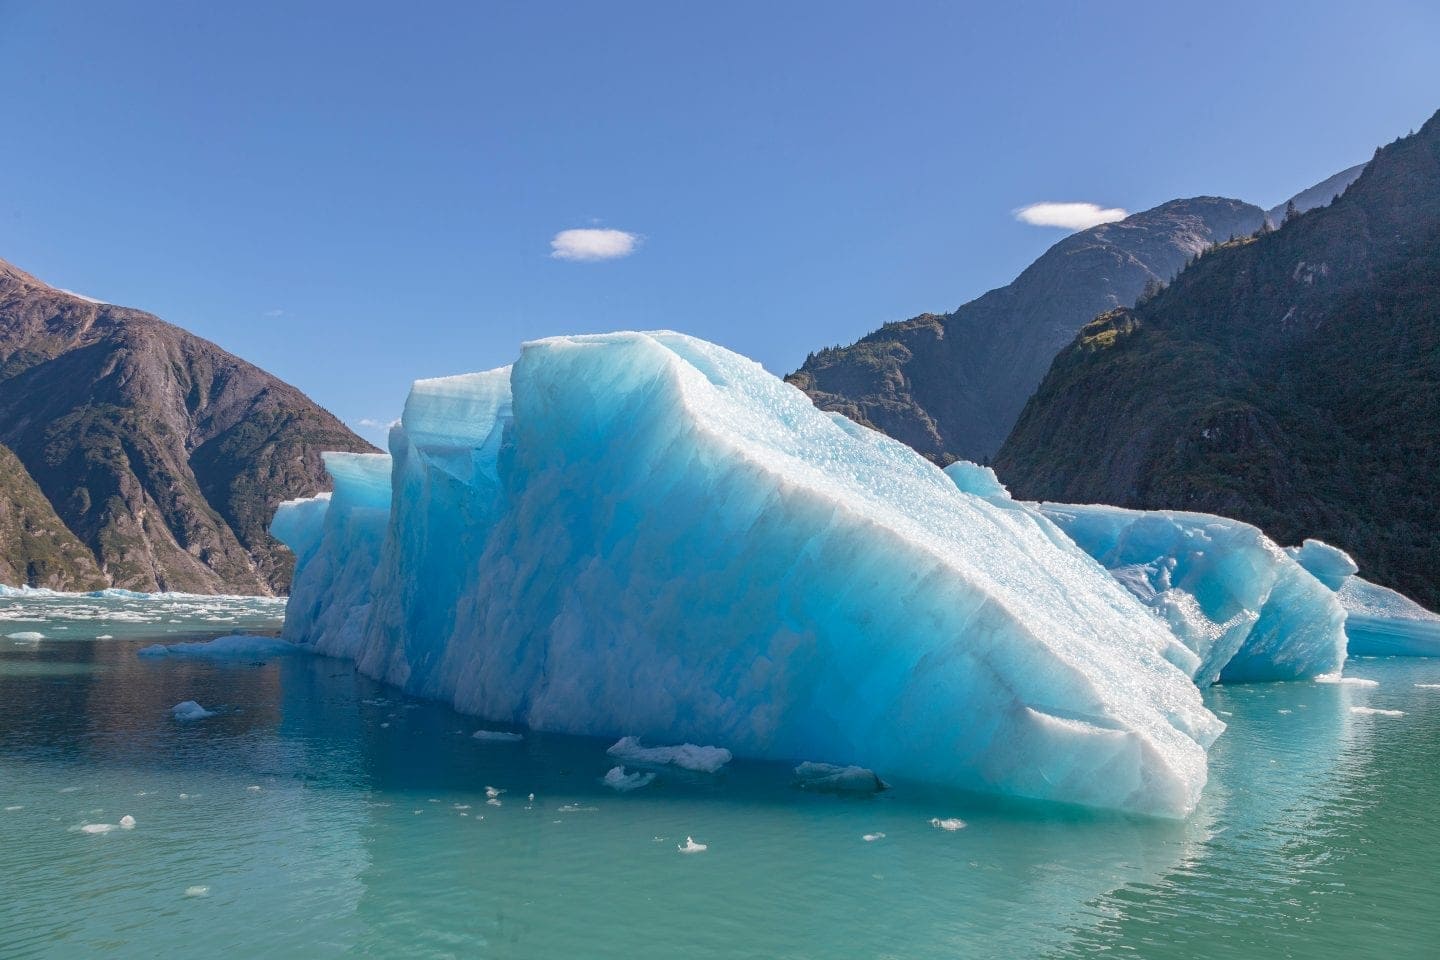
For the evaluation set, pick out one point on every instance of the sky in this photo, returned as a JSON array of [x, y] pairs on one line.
[[354, 195]]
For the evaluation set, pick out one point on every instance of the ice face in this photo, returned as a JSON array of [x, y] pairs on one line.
[[1243, 605], [646, 535], [1383, 623], [1379, 621]]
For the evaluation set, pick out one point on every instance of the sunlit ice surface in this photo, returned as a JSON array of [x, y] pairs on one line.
[[319, 813]]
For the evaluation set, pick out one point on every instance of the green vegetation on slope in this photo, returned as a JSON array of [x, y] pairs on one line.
[[1292, 381]]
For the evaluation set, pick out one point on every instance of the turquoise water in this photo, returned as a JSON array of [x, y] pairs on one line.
[[320, 814]]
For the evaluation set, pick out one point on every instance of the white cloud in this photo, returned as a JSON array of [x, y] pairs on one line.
[[277, 312], [370, 423], [593, 244], [1072, 216], [80, 295]]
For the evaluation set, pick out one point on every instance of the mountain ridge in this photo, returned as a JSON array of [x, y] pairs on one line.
[[1291, 380], [158, 450]]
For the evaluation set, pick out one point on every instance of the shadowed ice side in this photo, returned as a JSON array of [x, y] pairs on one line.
[[647, 535]]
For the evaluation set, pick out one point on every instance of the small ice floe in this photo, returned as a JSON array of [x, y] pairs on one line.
[[685, 755], [190, 710], [1428, 686], [576, 808], [384, 726], [68, 789], [13, 807], [25, 636], [253, 788], [1285, 711], [498, 736], [690, 846], [831, 778], [127, 822], [492, 796], [199, 890], [949, 824], [461, 806], [105, 636], [618, 780], [1346, 681], [1376, 712], [234, 646], [872, 837]]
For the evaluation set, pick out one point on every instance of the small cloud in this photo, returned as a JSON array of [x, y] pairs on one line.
[[370, 423], [1070, 216], [593, 244], [277, 312], [79, 295]]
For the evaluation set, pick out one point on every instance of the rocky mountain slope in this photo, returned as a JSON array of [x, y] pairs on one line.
[[162, 454], [1316, 196], [36, 548], [952, 385], [1291, 380]]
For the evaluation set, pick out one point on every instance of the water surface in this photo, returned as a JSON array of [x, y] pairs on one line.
[[321, 814]]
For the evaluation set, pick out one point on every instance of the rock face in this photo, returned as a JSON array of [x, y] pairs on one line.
[[161, 454], [36, 548], [952, 386], [1317, 196], [1291, 381]]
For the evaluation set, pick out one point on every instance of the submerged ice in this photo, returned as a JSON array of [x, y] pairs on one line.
[[645, 535]]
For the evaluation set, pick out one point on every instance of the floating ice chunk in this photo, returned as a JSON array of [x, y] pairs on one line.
[[1242, 604], [237, 645], [948, 824], [105, 636], [98, 827], [1376, 712], [576, 808], [190, 710], [127, 822], [498, 736], [830, 778], [617, 779], [20, 806], [493, 792], [690, 846], [872, 837], [197, 891], [26, 636], [686, 755], [1346, 681], [814, 589], [1428, 686], [253, 788]]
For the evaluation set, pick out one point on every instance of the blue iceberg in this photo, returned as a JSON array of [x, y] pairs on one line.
[[1379, 621], [645, 535], [1243, 605]]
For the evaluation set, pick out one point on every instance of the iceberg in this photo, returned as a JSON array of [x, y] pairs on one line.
[[1244, 606], [646, 535], [1379, 622]]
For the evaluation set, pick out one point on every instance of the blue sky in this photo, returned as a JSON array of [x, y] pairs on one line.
[[355, 195]]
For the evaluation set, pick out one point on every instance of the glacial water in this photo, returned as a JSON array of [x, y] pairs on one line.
[[318, 813]]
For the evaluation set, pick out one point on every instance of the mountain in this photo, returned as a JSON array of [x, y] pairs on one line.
[[160, 453], [952, 385], [1316, 196], [1291, 380], [36, 548]]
